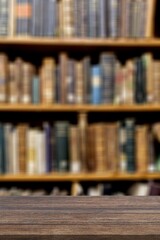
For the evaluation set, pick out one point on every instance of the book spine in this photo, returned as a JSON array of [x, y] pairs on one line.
[[90, 151], [7, 147], [111, 152], [58, 85], [122, 165], [142, 147], [22, 147], [15, 150], [67, 9], [87, 79], [31, 152], [71, 82], [79, 83], [96, 97], [108, 77], [51, 18], [77, 18], [35, 90], [74, 152], [23, 16], [63, 75], [82, 126], [93, 18], [148, 61], [113, 18], [2, 152], [48, 158], [61, 130], [102, 18], [48, 81], [4, 18], [27, 83], [130, 145], [3, 77], [156, 77], [140, 82], [12, 84], [37, 17], [84, 17]]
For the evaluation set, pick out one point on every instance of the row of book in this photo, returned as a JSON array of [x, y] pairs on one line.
[[74, 18], [63, 147], [14, 191], [136, 189], [73, 81]]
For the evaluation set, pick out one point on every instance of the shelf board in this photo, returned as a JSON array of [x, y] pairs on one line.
[[57, 177], [88, 42], [78, 108]]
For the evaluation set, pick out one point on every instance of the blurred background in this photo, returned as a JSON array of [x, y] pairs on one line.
[[79, 97]]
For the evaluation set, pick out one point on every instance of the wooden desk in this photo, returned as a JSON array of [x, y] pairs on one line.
[[80, 218]]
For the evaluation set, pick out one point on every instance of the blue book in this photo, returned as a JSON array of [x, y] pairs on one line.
[[96, 95], [35, 90]]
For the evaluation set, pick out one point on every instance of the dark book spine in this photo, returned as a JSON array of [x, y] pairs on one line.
[[37, 18], [4, 17], [130, 145], [45, 17], [77, 18], [53, 150], [113, 18], [58, 85], [108, 77], [87, 79], [51, 18], [61, 130], [102, 18], [2, 153], [70, 82], [47, 130], [93, 19], [140, 82], [84, 17]]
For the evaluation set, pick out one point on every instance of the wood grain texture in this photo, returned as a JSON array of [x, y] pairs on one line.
[[78, 108], [86, 42], [74, 177], [80, 218]]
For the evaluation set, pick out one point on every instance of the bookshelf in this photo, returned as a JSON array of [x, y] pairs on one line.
[[75, 50]]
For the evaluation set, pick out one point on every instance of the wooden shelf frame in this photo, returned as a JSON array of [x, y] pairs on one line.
[[69, 177], [78, 108], [86, 42]]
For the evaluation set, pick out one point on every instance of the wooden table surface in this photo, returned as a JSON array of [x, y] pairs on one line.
[[79, 218]]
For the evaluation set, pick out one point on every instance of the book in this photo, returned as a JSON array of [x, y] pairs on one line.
[[4, 17], [74, 151], [96, 94], [61, 134], [35, 90], [130, 145]]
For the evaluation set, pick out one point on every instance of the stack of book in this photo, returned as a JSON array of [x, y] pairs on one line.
[[74, 18], [61, 147], [78, 82]]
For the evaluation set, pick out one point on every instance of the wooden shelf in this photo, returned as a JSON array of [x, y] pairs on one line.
[[60, 177], [151, 42], [78, 108]]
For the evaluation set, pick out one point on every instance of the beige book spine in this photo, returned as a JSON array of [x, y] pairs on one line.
[[151, 6], [22, 150], [142, 147], [79, 83], [74, 150], [82, 125]]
